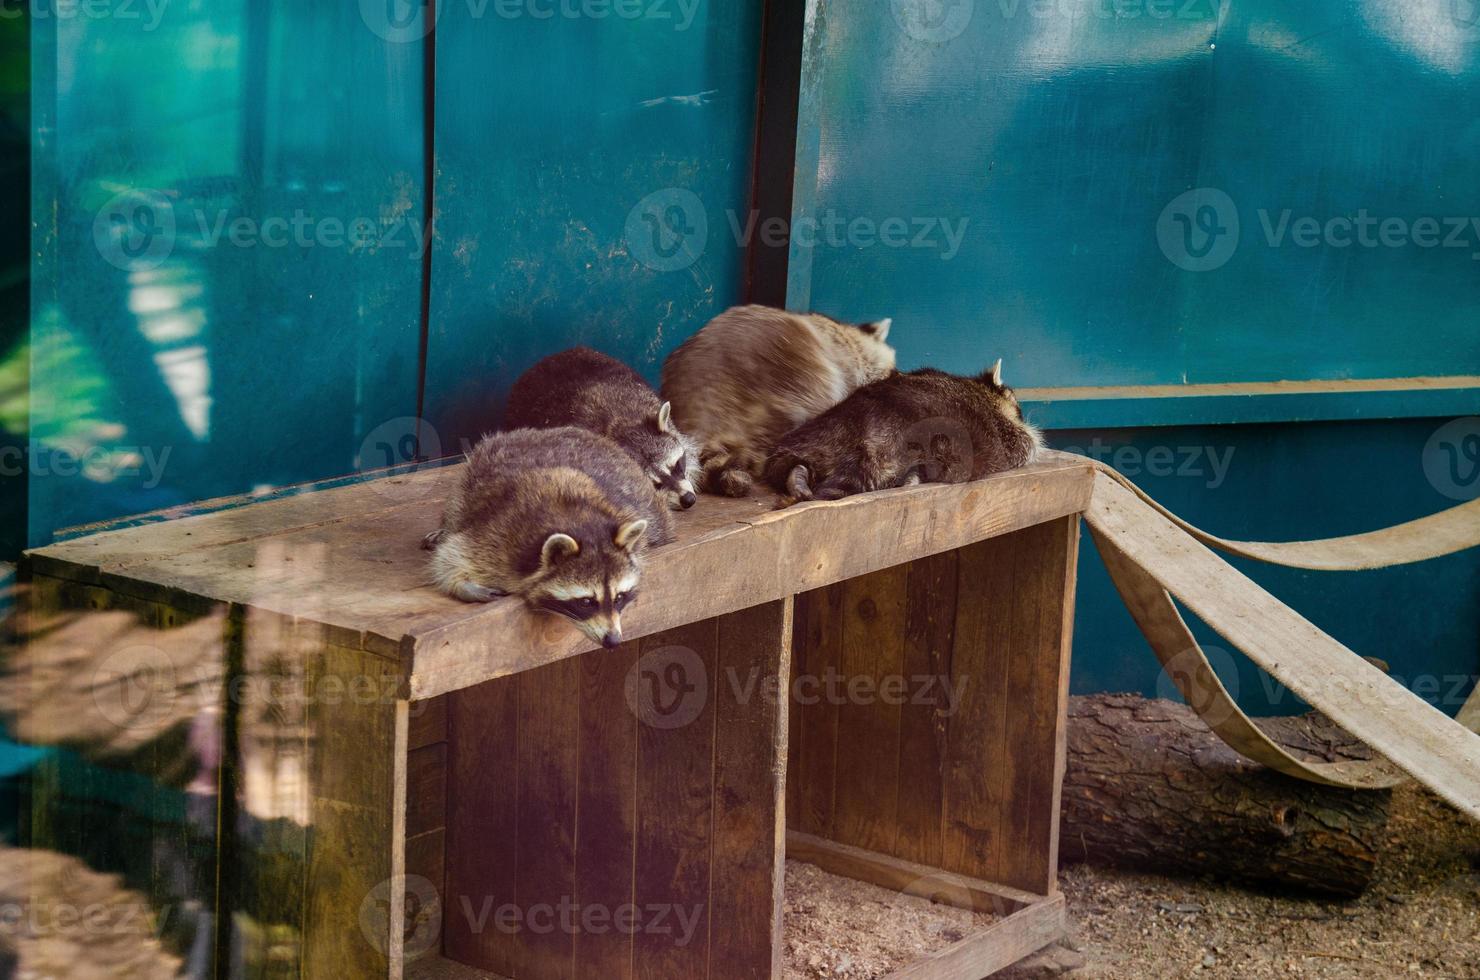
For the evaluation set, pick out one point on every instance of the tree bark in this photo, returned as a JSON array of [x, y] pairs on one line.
[[1149, 787]]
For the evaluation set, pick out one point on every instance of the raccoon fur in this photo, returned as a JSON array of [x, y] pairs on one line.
[[755, 373], [926, 426], [589, 390], [561, 517]]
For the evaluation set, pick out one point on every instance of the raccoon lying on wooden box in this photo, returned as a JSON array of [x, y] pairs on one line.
[[560, 517], [754, 373], [590, 390], [925, 426]]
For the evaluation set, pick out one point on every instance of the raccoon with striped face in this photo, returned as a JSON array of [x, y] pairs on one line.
[[589, 390], [560, 517], [922, 427], [755, 373]]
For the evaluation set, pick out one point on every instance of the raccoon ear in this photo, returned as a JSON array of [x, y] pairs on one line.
[[629, 534], [878, 330], [997, 373], [665, 416], [558, 546]]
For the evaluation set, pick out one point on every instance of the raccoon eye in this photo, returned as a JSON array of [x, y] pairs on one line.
[[586, 604], [679, 467], [622, 599]]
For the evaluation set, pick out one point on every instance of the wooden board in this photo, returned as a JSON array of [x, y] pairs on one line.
[[637, 795], [349, 559], [961, 768]]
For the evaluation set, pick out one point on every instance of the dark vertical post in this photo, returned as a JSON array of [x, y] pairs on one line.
[[778, 88]]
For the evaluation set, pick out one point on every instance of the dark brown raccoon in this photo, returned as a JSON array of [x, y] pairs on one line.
[[922, 427], [592, 391]]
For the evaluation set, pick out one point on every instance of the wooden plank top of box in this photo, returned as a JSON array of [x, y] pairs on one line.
[[349, 560]]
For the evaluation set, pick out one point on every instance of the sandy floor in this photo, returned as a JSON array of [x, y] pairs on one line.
[[1420, 918]]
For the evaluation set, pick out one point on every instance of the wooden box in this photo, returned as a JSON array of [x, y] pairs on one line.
[[875, 685]]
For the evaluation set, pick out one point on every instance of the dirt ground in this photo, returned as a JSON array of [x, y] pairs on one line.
[[1420, 918]]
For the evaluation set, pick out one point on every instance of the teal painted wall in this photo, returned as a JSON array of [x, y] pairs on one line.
[[227, 199], [586, 171]]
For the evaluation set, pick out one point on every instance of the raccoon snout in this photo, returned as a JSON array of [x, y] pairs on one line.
[[612, 640], [687, 499]]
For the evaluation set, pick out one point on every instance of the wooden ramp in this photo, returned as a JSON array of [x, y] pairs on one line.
[[1154, 557]]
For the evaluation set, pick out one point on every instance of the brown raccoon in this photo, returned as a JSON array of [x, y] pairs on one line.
[[755, 373], [590, 390], [561, 517], [925, 426]]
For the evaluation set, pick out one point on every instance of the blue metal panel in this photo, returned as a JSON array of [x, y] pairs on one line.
[[226, 275], [1293, 482], [1045, 147], [589, 171]]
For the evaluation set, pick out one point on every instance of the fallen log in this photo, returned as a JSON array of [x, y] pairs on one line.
[[1149, 787]]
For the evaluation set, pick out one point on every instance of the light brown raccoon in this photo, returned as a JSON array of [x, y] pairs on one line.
[[922, 427], [560, 517], [755, 373], [591, 390]]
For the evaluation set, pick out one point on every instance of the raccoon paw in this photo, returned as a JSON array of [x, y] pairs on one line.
[[430, 542], [468, 592], [798, 486], [732, 483]]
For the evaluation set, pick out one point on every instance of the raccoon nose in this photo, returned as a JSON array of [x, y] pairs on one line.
[[688, 499], [612, 640]]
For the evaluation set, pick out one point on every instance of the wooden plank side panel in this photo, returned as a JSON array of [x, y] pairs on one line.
[[1037, 674], [606, 829], [549, 729], [357, 851], [749, 825], [930, 624], [675, 692], [869, 713], [482, 825], [994, 948], [974, 792], [818, 638]]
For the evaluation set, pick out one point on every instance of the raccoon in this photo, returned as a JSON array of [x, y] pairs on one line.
[[561, 517], [590, 390], [925, 426], [755, 373]]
